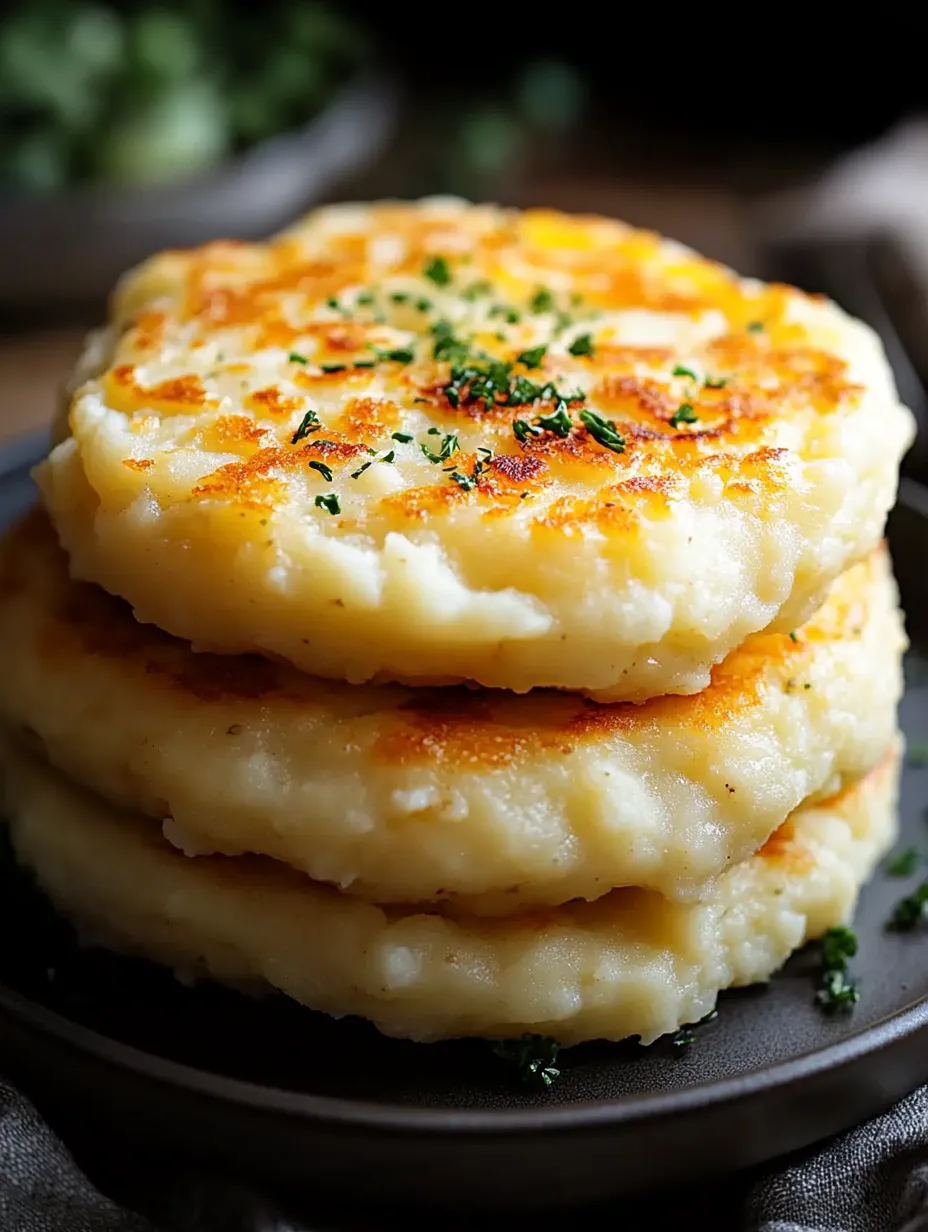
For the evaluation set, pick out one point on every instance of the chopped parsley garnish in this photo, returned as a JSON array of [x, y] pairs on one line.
[[399, 356], [558, 422], [682, 1039], [910, 911], [603, 431], [309, 423], [755, 327], [360, 471], [683, 414], [424, 305], [542, 300], [685, 1037], [533, 1056], [476, 289], [582, 345], [399, 297], [510, 315], [329, 502], [903, 863], [388, 457], [716, 382], [679, 370], [523, 429], [364, 363], [332, 302], [296, 358], [324, 471], [793, 635], [467, 482], [333, 367], [534, 357], [838, 992], [403, 437], [437, 271], [447, 347], [449, 445], [916, 754], [495, 384], [364, 299]]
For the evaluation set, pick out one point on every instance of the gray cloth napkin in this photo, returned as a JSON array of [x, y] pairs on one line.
[[873, 1179]]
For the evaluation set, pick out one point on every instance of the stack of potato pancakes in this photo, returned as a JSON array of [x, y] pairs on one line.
[[472, 620]]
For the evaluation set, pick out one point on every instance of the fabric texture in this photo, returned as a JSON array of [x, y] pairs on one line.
[[873, 1179]]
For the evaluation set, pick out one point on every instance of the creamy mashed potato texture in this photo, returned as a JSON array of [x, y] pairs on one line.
[[630, 964], [436, 442], [488, 801]]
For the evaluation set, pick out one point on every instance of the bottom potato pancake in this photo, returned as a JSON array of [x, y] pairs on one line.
[[631, 963]]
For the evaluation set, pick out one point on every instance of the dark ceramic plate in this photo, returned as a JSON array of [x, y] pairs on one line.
[[275, 1091]]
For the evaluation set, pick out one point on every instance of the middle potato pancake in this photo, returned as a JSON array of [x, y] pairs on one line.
[[411, 795]]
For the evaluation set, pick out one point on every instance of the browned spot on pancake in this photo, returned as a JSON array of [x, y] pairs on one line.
[[182, 393], [518, 468], [458, 726], [273, 401], [785, 850], [258, 477], [228, 432], [138, 464], [147, 331], [369, 418]]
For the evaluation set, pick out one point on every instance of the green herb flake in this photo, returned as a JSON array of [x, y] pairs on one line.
[[399, 297], [447, 347], [424, 305], [793, 635], [476, 289], [449, 445], [533, 358], [679, 370], [364, 299], [582, 345], [333, 367], [296, 358], [683, 414], [360, 471], [716, 382], [838, 991], [324, 471], [683, 1039], [401, 355], [309, 423], [403, 437], [542, 300], [523, 430], [329, 502], [558, 422], [903, 863], [755, 327], [467, 482], [603, 431], [332, 302], [533, 1057], [910, 911], [437, 271], [388, 457], [364, 363]]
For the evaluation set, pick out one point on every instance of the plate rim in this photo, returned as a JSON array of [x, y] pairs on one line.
[[364, 1114]]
